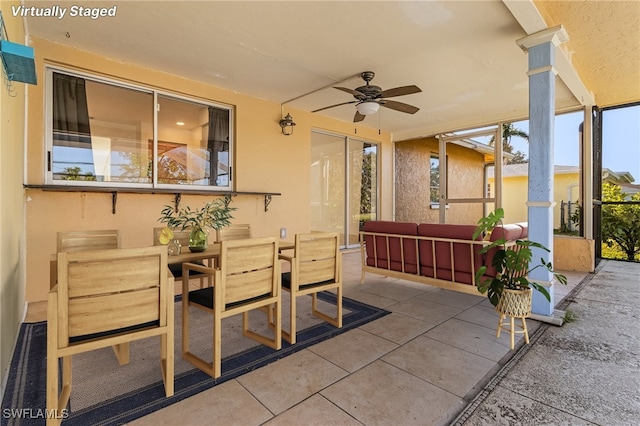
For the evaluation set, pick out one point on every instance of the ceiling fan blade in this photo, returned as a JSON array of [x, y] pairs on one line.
[[350, 91], [399, 106], [400, 91], [358, 117], [344, 103]]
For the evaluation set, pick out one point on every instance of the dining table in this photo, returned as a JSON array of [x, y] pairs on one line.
[[213, 252]]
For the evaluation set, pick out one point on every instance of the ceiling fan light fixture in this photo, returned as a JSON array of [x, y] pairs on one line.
[[368, 108]]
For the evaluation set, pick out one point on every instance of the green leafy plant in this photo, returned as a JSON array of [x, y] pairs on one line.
[[570, 316], [215, 215], [511, 261], [621, 222]]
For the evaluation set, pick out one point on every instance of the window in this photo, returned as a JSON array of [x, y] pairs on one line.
[[108, 134], [344, 185], [434, 178]]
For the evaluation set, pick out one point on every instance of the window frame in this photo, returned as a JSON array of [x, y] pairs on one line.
[[141, 88], [434, 205]]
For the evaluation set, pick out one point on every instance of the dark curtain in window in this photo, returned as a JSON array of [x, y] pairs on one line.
[[70, 112], [218, 140]]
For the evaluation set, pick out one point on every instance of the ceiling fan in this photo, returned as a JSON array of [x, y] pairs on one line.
[[369, 98]]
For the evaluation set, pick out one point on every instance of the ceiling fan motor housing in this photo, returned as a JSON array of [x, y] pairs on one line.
[[368, 92]]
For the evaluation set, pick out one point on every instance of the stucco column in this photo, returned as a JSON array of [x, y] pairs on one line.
[[541, 48]]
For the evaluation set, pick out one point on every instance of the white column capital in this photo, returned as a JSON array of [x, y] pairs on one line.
[[555, 35], [545, 204]]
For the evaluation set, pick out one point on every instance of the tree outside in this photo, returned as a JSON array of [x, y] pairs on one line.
[[620, 224], [508, 132], [75, 173]]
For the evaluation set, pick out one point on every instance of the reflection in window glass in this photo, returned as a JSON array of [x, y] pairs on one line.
[[193, 144], [98, 131], [106, 133], [434, 178]]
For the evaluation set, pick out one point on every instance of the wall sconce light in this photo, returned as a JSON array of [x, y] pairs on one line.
[[287, 125]]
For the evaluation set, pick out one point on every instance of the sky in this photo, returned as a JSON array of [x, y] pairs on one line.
[[620, 134]]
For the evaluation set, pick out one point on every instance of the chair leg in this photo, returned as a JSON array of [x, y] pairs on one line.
[[292, 319], [55, 402], [276, 341], [287, 335], [167, 363], [52, 390], [122, 353], [185, 323], [339, 307], [270, 316], [217, 342], [334, 321]]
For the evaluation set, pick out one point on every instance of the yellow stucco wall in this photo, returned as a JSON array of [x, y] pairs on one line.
[[265, 161], [465, 169], [514, 198], [569, 253], [515, 190], [11, 201], [573, 254]]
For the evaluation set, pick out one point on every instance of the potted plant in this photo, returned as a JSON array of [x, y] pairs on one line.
[[215, 215], [511, 261]]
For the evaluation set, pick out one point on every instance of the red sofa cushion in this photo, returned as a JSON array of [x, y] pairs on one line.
[[393, 259], [464, 271], [509, 232], [525, 230]]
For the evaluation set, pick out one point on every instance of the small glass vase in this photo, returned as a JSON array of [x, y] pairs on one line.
[[174, 247], [198, 239]]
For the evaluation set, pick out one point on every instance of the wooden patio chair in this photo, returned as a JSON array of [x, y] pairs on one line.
[[72, 241], [107, 298], [247, 278], [233, 232], [315, 266]]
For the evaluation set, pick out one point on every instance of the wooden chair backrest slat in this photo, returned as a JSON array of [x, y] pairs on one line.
[[90, 315], [89, 278], [318, 271], [248, 285], [105, 290], [243, 259], [72, 241], [314, 249], [233, 232], [317, 257], [248, 268]]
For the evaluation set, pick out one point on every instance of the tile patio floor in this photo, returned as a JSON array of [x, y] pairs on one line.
[[419, 365]]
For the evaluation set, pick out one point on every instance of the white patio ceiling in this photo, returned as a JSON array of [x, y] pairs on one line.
[[462, 54]]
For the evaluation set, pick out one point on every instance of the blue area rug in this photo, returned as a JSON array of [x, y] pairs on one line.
[[25, 395]]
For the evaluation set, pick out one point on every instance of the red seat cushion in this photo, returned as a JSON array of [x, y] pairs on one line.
[[508, 232]]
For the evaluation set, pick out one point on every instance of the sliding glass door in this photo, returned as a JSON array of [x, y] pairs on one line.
[[344, 185]]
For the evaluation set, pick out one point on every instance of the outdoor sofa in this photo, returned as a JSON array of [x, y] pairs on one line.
[[442, 255]]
